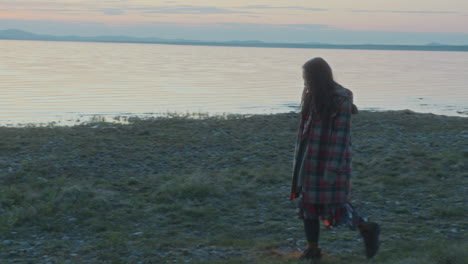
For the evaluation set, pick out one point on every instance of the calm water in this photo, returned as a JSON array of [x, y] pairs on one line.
[[65, 81]]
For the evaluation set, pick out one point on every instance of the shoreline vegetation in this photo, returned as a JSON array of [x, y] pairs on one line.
[[15, 34], [201, 189]]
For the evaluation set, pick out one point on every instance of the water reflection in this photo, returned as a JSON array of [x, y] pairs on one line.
[[58, 81]]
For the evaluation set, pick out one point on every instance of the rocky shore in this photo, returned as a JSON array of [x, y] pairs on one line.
[[199, 189]]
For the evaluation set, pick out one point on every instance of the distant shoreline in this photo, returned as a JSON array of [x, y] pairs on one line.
[[314, 46], [23, 35], [278, 45]]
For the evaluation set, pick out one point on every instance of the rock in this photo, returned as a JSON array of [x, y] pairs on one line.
[[29, 249], [300, 243], [453, 230], [42, 179], [6, 242], [137, 252], [407, 112]]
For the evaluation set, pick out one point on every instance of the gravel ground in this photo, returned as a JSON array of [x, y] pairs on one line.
[[190, 189]]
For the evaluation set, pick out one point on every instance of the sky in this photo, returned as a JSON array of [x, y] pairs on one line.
[[299, 21]]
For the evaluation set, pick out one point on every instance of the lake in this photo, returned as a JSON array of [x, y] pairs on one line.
[[70, 82]]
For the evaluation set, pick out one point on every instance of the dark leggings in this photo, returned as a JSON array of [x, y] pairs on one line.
[[312, 230]]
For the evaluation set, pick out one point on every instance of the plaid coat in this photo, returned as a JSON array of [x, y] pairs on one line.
[[322, 158]]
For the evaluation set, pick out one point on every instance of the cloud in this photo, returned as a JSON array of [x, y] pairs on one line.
[[403, 11], [43, 6], [106, 11], [282, 7], [252, 26], [188, 9], [28, 4], [56, 10], [112, 11], [109, 7]]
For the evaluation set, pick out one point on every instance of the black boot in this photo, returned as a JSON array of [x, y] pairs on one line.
[[312, 232], [370, 232], [313, 253]]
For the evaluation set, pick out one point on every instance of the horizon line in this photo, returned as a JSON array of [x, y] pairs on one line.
[[431, 46]]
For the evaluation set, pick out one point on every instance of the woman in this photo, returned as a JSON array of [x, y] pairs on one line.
[[322, 160]]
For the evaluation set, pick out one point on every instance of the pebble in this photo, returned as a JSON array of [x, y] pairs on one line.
[[72, 219], [73, 254], [137, 252], [453, 230], [30, 249], [42, 179], [290, 239], [6, 242], [300, 243]]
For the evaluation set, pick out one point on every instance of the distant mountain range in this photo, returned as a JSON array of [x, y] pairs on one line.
[[15, 34]]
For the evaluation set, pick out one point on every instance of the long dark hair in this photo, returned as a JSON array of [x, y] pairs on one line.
[[318, 89]]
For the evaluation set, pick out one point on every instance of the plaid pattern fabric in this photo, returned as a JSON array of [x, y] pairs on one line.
[[332, 215], [322, 159]]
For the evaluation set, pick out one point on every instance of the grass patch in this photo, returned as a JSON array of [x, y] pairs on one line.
[[448, 211], [204, 189]]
